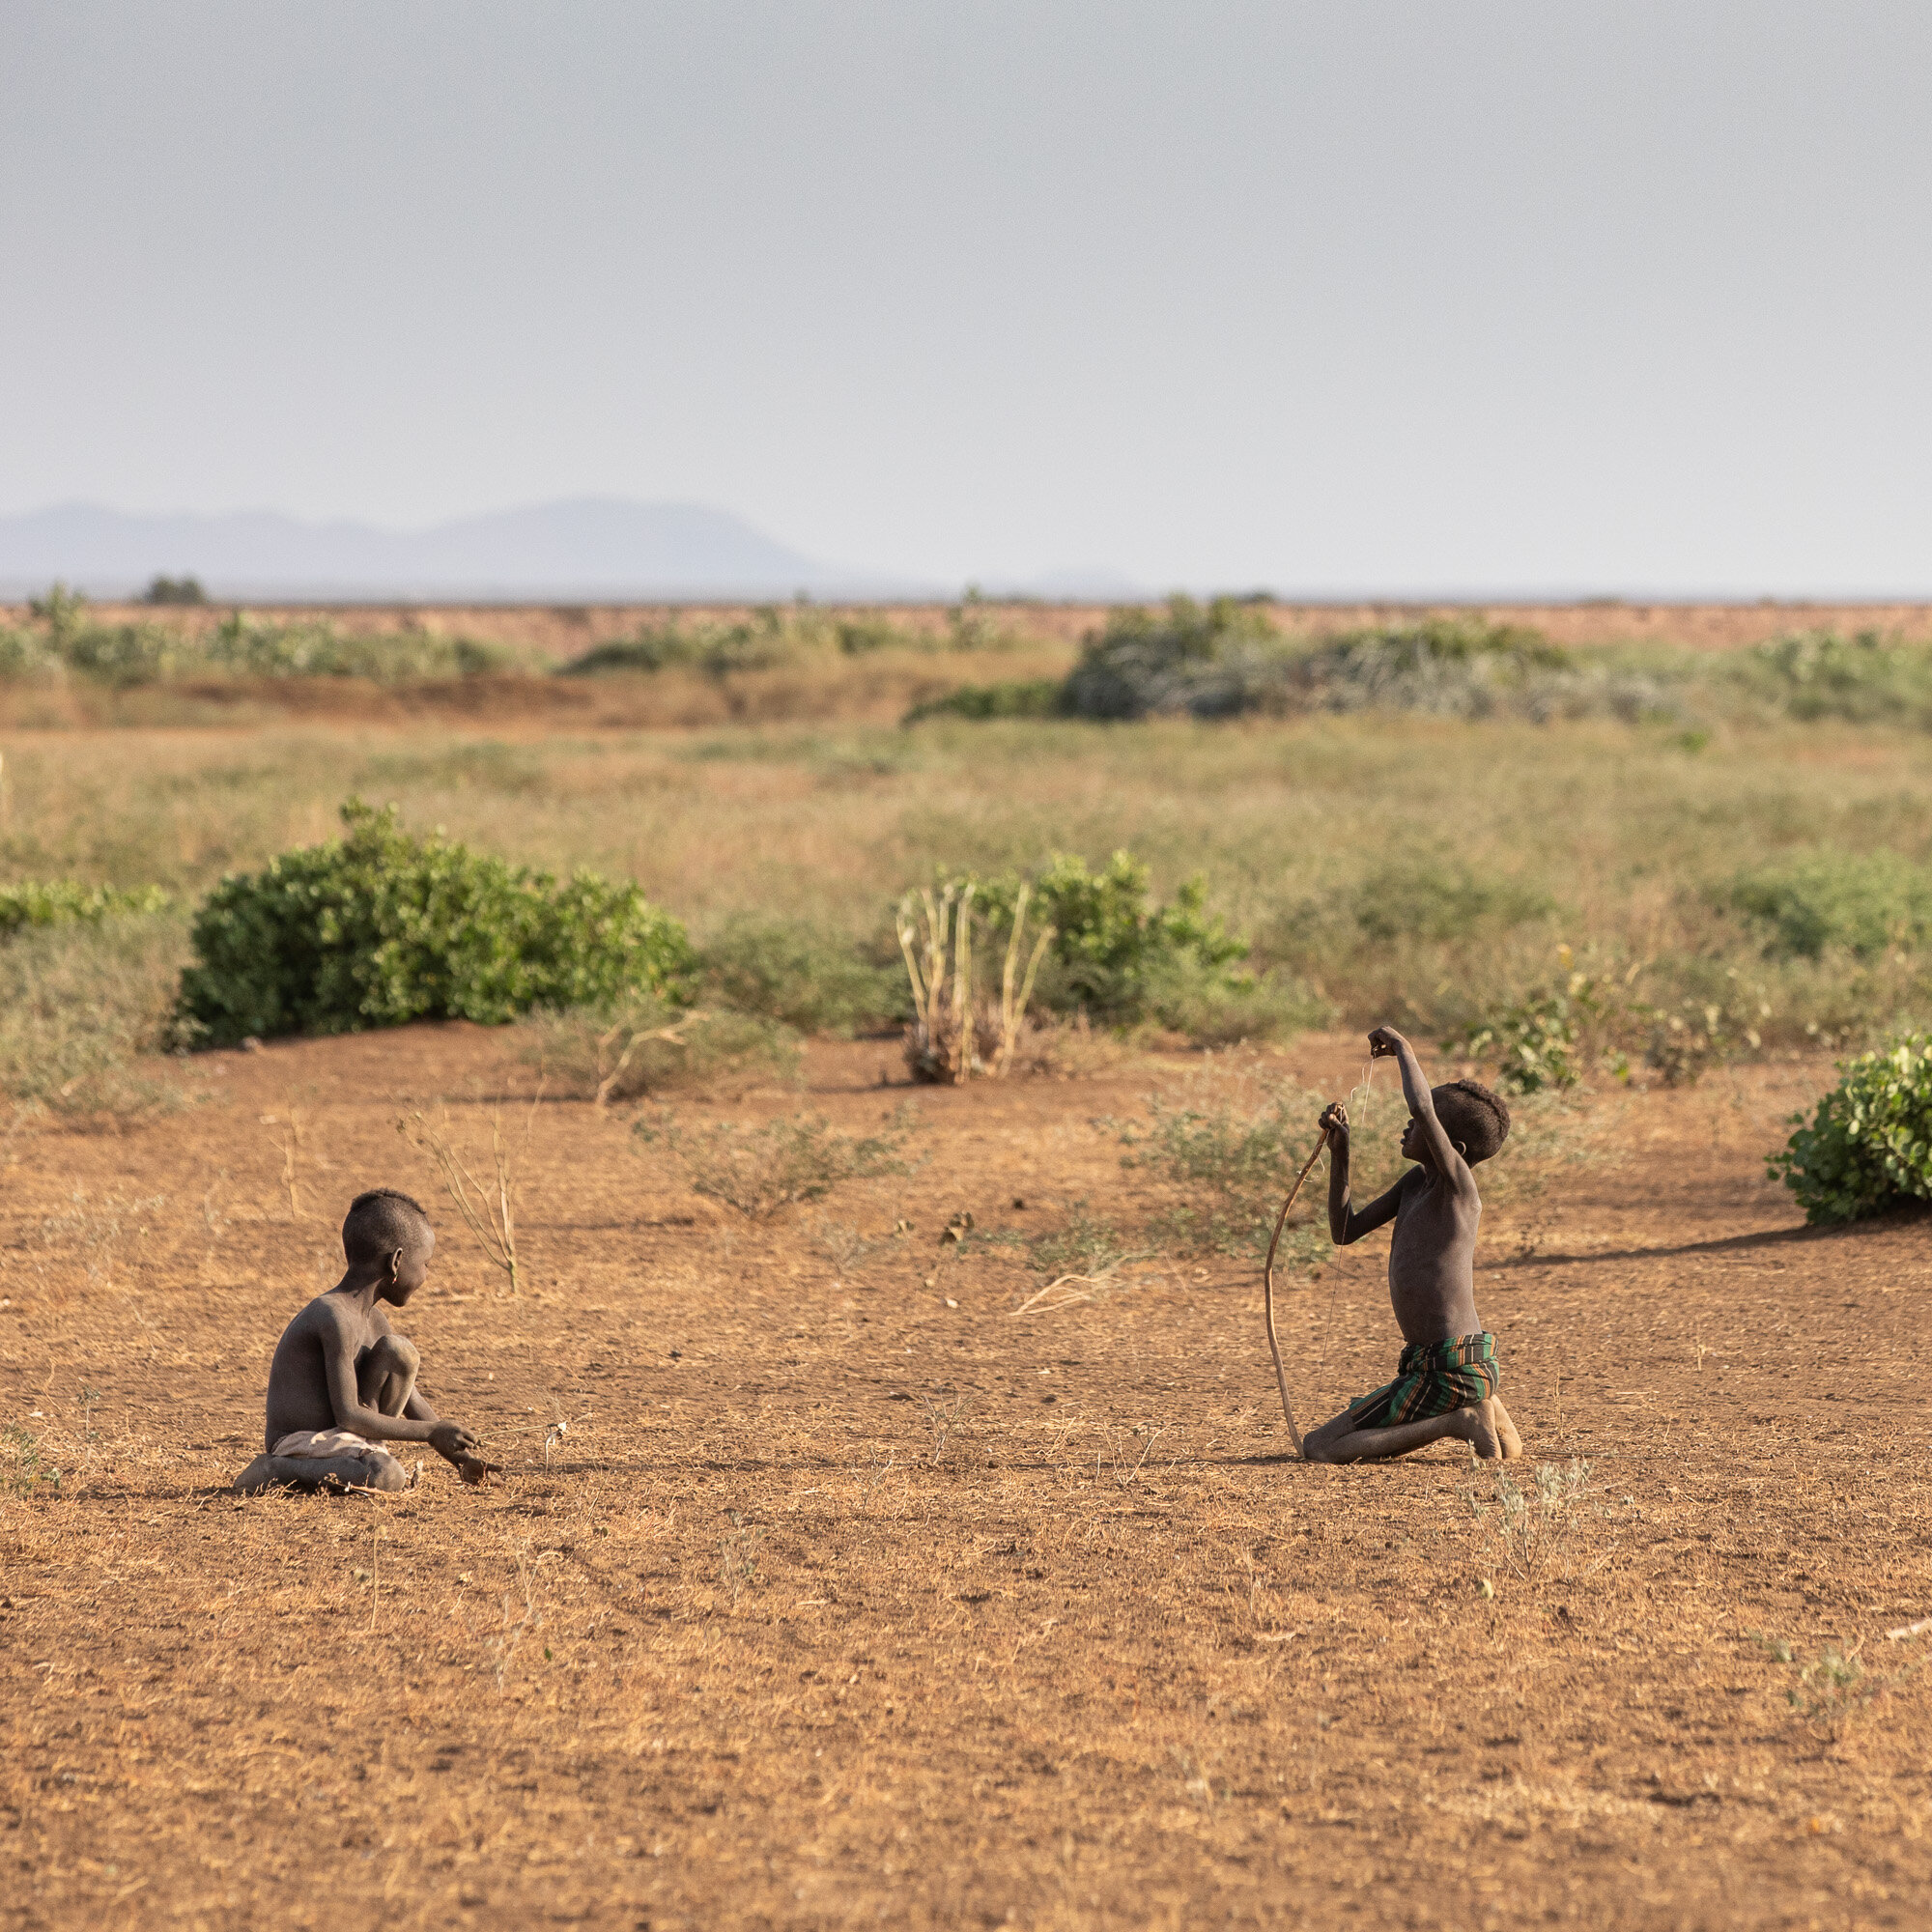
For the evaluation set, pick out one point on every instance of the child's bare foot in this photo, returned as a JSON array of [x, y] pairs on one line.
[[1476, 1426], [1506, 1431]]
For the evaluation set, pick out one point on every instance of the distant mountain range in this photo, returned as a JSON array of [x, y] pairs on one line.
[[587, 547]]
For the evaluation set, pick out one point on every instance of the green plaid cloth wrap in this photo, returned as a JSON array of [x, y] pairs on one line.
[[1432, 1379]]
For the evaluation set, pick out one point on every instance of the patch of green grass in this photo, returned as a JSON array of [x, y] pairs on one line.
[[79, 1003], [795, 972]]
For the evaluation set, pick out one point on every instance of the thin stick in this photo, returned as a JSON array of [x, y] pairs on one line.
[[1267, 1290]]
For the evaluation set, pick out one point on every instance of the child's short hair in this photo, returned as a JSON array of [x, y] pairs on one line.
[[379, 1223], [1473, 1115]]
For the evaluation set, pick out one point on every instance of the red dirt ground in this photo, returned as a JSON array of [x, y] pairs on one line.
[[850, 1596]]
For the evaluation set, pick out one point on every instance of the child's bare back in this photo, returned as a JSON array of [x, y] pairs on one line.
[[1446, 1381]]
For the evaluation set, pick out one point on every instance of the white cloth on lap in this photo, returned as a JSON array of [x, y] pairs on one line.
[[319, 1444]]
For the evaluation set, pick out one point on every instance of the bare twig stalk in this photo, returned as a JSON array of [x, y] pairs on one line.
[[950, 1040], [1012, 1008], [488, 1207], [941, 1043], [633, 1038], [290, 1143]]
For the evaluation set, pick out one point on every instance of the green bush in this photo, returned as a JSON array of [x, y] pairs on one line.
[[1869, 1145], [248, 647], [1209, 660], [1231, 1167], [125, 654], [789, 971], [1864, 903], [1226, 657], [64, 903], [381, 928], [1531, 1041], [1865, 679], [769, 637], [1115, 954], [24, 654], [174, 590]]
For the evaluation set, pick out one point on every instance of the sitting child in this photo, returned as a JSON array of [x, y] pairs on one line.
[[342, 1385], [1446, 1381]]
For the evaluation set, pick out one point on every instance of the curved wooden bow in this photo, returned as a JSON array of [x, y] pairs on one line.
[[1267, 1289]]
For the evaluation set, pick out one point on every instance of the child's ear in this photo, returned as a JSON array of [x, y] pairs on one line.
[[1461, 1148]]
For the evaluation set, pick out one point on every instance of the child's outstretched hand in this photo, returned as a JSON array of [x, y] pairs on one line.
[[1385, 1041], [1334, 1123]]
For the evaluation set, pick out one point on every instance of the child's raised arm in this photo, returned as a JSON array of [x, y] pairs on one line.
[[1385, 1041], [1345, 1225]]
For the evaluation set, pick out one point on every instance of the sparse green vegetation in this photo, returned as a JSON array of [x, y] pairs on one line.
[[799, 973], [1013, 697], [380, 928], [78, 1004], [1828, 1692], [1869, 1145], [1812, 902], [1530, 1523], [1863, 679], [175, 590], [64, 637], [1228, 657], [778, 635], [1230, 1160], [67, 902]]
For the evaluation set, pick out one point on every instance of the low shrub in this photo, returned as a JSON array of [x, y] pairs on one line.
[[1115, 954], [1467, 667], [1862, 679], [1231, 1166], [1530, 1043], [770, 635], [793, 971], [1868, 1147], [1226, 657], [1013, 697], [1221, 1003], [66, 902], [380, 928], [176, 590], [760, 1170], [1549, 1037], [631, 1048], [129, 654], [248, 647], [1209, 660], [1862, 904]]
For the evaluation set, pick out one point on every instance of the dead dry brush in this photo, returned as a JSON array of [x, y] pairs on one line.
[[793, 1158], [957, 1033], [641, 1046], [486, 1206]]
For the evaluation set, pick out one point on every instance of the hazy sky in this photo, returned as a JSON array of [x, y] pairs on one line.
[[1563, 294]]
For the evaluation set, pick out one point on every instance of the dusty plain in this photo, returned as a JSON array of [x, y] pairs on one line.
[[852, 1595], [841, 1574]]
